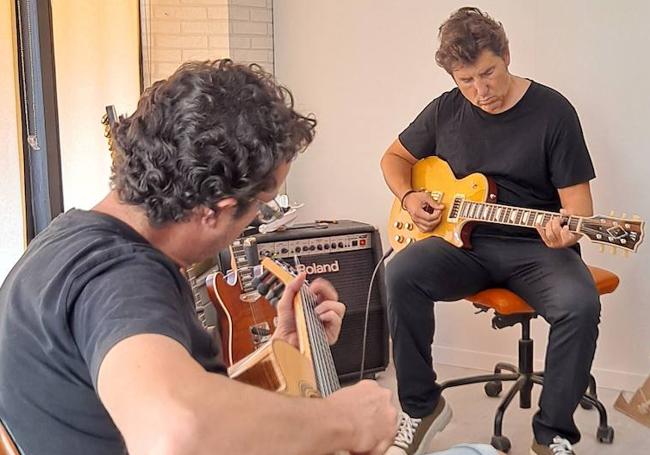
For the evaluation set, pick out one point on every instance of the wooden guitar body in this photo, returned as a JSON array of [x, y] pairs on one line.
[[246, 320], [436, 177], [279, 367]]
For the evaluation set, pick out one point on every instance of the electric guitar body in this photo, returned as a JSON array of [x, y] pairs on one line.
[[246, 319], [434, 175]]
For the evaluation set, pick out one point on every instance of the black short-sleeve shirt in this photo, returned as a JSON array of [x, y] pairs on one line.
[[529, 151], [85, 283]]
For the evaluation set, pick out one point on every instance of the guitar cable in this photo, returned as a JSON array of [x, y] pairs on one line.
[[365, 323]]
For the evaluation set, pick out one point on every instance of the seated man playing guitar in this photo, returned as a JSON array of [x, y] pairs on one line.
[[528, 139], [101, 351]]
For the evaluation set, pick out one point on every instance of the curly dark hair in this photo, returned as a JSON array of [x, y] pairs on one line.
[[467, 33], [212, 130]]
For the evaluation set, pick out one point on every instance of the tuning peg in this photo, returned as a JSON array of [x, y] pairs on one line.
[[623, 215], [614, 250], [601, 248], [636, 217], [611, 213], [626, 253]]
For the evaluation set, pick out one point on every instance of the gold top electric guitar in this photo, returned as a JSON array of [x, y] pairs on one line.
[[472, 200]]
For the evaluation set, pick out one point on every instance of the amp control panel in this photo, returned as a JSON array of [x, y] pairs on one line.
[[319, 245]]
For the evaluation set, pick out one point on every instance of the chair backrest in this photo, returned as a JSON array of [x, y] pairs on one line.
[[7, 445]]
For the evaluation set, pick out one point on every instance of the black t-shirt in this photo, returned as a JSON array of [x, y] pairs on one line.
[[85, 283], [529, 151]]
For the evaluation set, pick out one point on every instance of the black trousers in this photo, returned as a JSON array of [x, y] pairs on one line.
[[555, 282]]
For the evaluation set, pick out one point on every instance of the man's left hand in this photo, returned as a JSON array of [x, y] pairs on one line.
[[328, 308], [555, 235]]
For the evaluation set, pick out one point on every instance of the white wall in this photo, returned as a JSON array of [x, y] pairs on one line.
[[96, 51], [12, 220], [366, 68]]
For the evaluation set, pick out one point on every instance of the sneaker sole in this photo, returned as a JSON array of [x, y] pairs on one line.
[[438, 425]]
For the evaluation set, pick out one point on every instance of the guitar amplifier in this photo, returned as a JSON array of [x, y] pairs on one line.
[[345, 253]]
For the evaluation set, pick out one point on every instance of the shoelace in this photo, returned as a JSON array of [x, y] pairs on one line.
[[561, 446], [406, 431]]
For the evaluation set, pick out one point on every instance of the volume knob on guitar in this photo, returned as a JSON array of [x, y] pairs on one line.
[[399, 238], [398, 224]]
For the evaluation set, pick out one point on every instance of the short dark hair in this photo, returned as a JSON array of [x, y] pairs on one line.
[[467, 33], [212, 130]]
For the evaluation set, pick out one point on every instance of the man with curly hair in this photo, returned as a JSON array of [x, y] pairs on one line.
[[100, 349], [528, 139]]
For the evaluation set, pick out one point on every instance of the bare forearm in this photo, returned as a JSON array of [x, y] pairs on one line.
[[245, 420], [185, 411], [396, 165]]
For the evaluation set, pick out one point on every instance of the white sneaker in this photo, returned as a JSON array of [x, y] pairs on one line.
[[559, 446], [414, 436]]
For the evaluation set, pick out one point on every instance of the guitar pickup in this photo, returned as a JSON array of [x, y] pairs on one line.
[[454, 210], [260, 333]]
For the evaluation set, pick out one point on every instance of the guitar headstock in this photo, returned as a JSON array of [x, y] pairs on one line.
[[626, 234], [109, 120], [281, 270]]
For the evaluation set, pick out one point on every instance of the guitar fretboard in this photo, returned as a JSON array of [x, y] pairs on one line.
[[513, 216], [324, 368]]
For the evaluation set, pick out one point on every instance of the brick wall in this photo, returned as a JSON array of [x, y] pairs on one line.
[[175, 31]]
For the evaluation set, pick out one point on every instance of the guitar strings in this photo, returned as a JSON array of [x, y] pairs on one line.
[[573, 220], [326, 364], [322, 355]]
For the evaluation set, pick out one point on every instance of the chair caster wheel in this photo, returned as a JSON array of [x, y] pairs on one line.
[[501, 443], [493, 388], [605, 435]]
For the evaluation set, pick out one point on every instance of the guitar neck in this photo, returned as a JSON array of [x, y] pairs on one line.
[[486, 212], [321, 354]]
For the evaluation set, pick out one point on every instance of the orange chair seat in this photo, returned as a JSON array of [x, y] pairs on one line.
[[507, 302]]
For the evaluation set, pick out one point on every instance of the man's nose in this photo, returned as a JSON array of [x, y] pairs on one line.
[[481, 88]]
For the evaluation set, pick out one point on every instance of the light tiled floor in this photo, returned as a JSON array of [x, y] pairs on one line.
[[474, 416]]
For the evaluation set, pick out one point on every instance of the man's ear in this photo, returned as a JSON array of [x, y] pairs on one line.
[[506, 57], [224, 206]]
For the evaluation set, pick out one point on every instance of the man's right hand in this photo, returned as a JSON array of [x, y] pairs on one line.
[[372, 416], [424, 211]]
